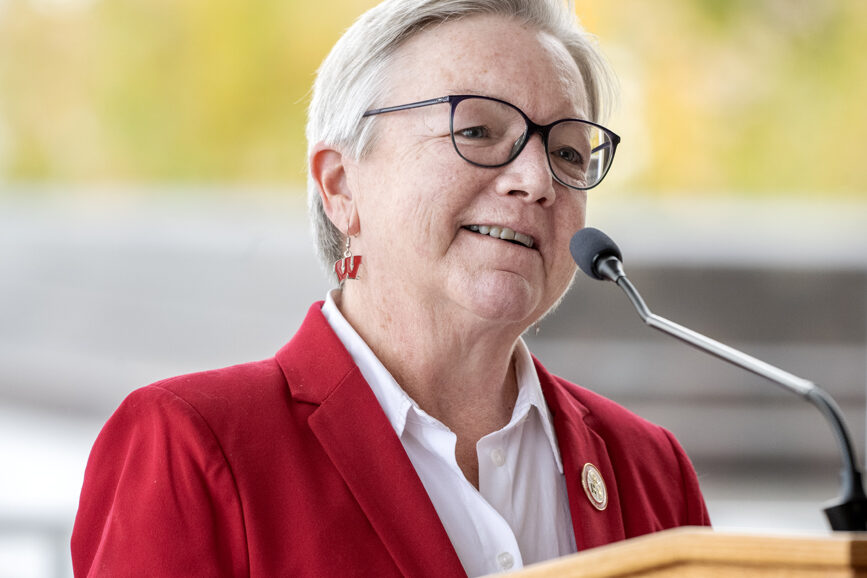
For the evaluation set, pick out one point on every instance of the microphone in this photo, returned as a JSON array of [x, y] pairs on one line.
[[600, 258], [597, 255]]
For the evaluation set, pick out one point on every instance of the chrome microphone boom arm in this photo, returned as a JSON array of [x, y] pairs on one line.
[[849, 512]]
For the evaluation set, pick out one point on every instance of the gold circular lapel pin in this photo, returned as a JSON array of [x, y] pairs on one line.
[[594, 486]]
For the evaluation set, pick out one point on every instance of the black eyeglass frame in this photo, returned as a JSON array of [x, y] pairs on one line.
[[532, 128]]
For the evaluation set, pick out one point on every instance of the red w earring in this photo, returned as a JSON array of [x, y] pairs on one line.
[[347, 268]]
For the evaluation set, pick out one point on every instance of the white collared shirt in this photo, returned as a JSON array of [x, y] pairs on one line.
[[520, 513]]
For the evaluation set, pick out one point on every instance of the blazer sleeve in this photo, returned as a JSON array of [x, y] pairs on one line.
[[696, 510], [158, 498]]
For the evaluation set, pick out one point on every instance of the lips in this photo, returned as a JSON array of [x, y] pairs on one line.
[[504, 233]]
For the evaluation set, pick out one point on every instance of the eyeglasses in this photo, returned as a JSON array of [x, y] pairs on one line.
[[488, 132]]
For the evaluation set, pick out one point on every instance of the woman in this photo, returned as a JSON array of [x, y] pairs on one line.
[[406, 429]]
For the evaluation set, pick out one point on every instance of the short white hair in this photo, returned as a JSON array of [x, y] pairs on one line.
[[352, 78]]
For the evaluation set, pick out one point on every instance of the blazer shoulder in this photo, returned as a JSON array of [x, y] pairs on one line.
[[156, 470], [228, 389]]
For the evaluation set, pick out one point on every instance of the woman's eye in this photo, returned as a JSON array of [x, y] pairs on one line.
[[473, 132], [569, 155]]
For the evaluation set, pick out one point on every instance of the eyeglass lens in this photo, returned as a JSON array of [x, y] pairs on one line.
[[490, 133]]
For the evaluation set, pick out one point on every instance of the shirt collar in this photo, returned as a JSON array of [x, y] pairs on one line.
[[396, 403], [530, 390]]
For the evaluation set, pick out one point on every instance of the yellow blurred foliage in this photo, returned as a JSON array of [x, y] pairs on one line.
[[160, 90], [745, 97]]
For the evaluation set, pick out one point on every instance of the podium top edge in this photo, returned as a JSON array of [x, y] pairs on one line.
[[690, 546]]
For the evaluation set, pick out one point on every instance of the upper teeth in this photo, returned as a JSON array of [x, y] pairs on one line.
[[499, 232]]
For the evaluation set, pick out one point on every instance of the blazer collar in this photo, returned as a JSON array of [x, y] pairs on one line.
[[580, 444], [361, 443]]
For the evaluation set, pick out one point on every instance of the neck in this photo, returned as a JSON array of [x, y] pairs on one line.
[[457, 367]]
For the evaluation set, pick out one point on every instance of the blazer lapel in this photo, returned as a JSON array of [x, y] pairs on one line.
[[361, 443], [580, 445]]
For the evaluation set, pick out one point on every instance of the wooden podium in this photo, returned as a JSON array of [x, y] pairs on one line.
[[703, 552]]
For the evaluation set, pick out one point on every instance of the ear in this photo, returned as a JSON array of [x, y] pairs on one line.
[[328, 169]]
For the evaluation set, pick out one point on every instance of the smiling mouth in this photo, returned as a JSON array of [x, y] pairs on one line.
[[503, 233]]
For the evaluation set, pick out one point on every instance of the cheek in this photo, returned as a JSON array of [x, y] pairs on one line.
[[579, 203], [570, 219], [562, 279], [406, 212], [417, 194], [571, 214], [438, 195]]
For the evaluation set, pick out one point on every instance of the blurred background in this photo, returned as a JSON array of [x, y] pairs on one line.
[[152, 166]]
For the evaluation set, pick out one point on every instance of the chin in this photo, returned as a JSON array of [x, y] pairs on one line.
[[505, 298]]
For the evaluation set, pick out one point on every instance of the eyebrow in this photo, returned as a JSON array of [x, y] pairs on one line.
[[580, 113]]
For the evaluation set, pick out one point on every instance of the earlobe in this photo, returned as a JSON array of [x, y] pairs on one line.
[[328, 170]]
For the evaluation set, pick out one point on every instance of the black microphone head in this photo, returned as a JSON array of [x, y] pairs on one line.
[[588, 246]]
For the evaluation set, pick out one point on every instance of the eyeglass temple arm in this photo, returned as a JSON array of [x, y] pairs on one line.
[[419, 104], [605, 145]]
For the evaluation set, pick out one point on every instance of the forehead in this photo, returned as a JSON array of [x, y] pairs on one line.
[[489, 55]]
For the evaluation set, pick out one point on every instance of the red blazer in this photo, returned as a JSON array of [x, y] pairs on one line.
[[289, 467]]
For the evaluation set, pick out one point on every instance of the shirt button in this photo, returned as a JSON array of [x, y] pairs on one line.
[[505, 560], [498, 457]]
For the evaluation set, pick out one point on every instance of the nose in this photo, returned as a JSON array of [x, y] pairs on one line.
[[528, 175]]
